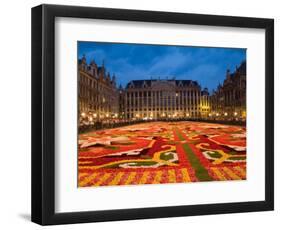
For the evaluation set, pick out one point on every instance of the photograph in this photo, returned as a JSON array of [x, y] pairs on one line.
[[141, 114], [158, 114]]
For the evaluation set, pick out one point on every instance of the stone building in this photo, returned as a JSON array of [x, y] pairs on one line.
[[162, 99], [154, 99], [97, 93], [205, 104], [228, 101], [121, 99]]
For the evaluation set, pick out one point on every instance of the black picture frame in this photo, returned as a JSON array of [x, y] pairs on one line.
[[43, 114]]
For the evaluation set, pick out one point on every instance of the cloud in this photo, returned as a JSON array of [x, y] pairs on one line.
[[162, 65], [133, 62], [169, 63], [208, 75], [98, 55]]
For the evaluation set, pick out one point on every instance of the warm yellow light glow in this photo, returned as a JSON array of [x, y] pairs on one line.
[[107, 115], [94, 115], [210, 114], [225, 114], [90, 119], [177, 94], [187, 114], [217, 114], [83, 114], [235, 113]]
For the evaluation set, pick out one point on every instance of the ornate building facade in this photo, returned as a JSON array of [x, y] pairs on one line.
[[229, 99], [160, 99], [97, 92], [205, 104], [100, 100]]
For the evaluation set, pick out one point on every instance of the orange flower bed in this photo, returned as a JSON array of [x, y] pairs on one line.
[[162, 152]]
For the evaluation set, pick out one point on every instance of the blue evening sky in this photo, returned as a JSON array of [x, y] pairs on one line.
[[140, 61]]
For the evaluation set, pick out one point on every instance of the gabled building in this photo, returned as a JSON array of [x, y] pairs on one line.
[[205, 104], [229, 99], [97, 92]]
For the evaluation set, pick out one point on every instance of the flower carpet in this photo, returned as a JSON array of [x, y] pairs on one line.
[[162, 152]]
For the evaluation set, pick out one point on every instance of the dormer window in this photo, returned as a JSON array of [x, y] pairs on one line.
[[144, 84]]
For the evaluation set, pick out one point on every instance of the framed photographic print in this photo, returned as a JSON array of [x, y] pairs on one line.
[[142, 114]]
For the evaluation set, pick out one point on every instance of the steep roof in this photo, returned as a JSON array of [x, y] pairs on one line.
[[139, 83], [242, 68]]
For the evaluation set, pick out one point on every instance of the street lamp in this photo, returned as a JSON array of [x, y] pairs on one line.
[[225, 114]]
